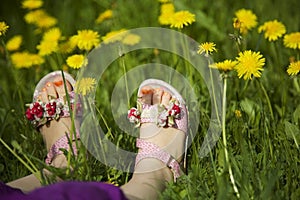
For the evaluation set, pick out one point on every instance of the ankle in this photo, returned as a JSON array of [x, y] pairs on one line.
[[54, 131]]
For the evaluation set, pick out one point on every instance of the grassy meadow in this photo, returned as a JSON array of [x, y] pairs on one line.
[[257, 155]]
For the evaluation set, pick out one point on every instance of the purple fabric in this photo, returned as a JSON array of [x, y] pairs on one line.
[[71, 190]]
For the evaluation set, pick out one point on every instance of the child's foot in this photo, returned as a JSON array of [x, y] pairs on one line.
[[54, 131], [49, 113], [159, 139]]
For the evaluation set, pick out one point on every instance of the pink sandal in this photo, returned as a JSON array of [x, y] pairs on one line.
[[40, 113], [175, 115]]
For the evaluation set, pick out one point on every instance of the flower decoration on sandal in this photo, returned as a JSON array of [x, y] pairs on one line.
[[159, 114], [39, 113]]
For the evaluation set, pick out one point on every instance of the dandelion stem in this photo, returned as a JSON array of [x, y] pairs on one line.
[[296, 84], [126, 82], [214, 94], [268, 99], [225, 140], [258, 41], [29, 161], [73, 129]]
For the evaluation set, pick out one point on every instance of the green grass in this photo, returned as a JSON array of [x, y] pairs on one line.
[[262, 144]]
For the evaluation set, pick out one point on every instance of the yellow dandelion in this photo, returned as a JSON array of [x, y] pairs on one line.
[[47, 47], [166, 12], [114, 36], [26, 60], [167, 8], [46, 22], [66, 47], [244, 20], [226, 65], [76, 61], [32, 4], [249, 64], [104, 16], [85, 85], [292, 40], [182, 18], [164, 1], [36, 59], [54, 34], [3, 28], [14, 43], [272, 29], [32, 16], [40, 18], [131, 39], [238, 113], [86, 39], [21, 60], [293, 68], [207, 47]]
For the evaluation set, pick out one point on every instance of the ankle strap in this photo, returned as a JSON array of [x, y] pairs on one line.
[[61, 143], [150, 150]]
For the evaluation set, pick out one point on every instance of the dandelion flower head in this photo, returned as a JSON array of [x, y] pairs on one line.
[[292, 40], [3, 28], [166, 12], [85, 85], [272, 30], [104, 16], [293, 68], [49, 42], [25, 59], [182, 18], [46, 22], [32, 16], [207, 47], [238, 113], [54, 34], [244, 20], [76, 61], [131, 39], [14, 43], [114, 36], [86, 39], [67, 46], [47, 47], [249, 64], [40, 18], [164, 1], [32, 4], [226, 65]]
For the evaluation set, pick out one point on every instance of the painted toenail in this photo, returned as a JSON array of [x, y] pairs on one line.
[[146, 91], [58, 83]]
